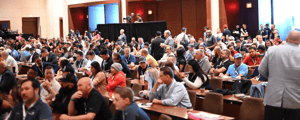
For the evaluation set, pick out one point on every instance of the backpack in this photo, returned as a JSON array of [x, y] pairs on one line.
[[184, 42]]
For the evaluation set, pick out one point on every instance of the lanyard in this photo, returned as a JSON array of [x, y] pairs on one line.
[[41, 70], [236, 69], [24, 112], [126, 59], [254, 61], [222, 63], [80, 63]]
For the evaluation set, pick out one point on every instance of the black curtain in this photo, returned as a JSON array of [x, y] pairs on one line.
[[145, 30]]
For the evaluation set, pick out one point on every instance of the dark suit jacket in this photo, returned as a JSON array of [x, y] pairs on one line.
[[35, 53], [96, 50], [125, 69], [45, 64], [109, 62], [156, 51], [51, 59], [8, 81]]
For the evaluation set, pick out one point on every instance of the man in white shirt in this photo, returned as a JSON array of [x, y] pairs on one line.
[[92, 57], [10, 62], [168, 52], [181, 36], [260, 40], [49, 83]]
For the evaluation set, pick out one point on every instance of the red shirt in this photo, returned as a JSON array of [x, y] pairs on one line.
[[233, 53], [114, 81], [249, 61]]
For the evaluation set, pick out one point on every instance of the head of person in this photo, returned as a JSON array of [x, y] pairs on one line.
[[90, 54], [171, 58], [37, 60], [67, 83], [238, 43], [272, 26], [143, 62], [127, 51], [44, 52], [230, 48], [95, 68], [64, 50], [180, 53], [116, 68], [237, 27], [158, 34], [116, 57], [267, 25], [68, 69], [225, 54], [219, 30], [30, 91], [196, 69], [254, 44], [79, 55], [166, 75], [11, 46], [238, 59], [92, 47], [167, 33], [85, 86], [168, 50], [14, 96], [144, 52], [276, 37], [49, 73], [225, 26], [261, 26], [133, 39], [123, 97], [191, 47], [4, 55], [259, 38], [293, 37], [261, 49], [206, 28], [217, 51], [244, 26], [121, 31], [138, 47], [169, 64], [31, 74], [104, 54], [208, 32], [146, 45], [199, 54], [268, 43], [118, 45]]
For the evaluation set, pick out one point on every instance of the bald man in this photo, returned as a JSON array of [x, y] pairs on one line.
[[281, 67], [7, 80], [87, 103]]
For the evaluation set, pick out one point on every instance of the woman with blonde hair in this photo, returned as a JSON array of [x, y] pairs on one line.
[[151, 75]]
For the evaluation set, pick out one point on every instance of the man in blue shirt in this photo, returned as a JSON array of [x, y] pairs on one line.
[[33, 106], [127, 57], [126, 108], [14, 53], [25, 55], [238, 69]]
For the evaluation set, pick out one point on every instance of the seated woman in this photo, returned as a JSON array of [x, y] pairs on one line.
[[117, 78], [151, 75], [65, 53], [177, 76], [197, 78], [98, 77], [13, 98]]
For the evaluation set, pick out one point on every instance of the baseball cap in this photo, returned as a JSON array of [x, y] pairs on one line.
[[68, 68], [68, 78], [142, 59], [191, 45], [118, 43], [238, 55]]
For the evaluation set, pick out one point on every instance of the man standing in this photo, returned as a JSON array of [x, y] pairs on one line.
[[268, 30], [262, 32], [156, 51], [167, 91], [122, 37], [48, 57], [211, 40], [272, 36], [226, 32], [280, 66], [87, 103], [182, 38], [169, 41], [33, 108]]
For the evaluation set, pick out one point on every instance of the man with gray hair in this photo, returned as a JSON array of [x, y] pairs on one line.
[[280, 66], [169, 41], [10, 62], [202, 60], [122, 37]]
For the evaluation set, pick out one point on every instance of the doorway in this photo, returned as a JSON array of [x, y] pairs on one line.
[[61, 29], [29, 26]]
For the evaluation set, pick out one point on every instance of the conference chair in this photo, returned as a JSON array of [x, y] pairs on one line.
[[252, 109], [79, 75], [213, 103], [250, 72], [136, 89], [23, 69], [164, 117], [216, 83], [192, 96], [112, 108], [128, 83]]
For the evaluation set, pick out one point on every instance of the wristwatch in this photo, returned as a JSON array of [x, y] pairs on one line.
[[49, 88]]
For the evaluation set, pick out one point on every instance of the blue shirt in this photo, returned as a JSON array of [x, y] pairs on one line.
[[234, 71], [131, 58], [24, 55], [14, 53]]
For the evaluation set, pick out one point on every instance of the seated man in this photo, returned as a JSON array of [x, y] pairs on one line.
[[80, 61], [252, 58], [33, 108], [150, 60], [107, 60], [172, 58], [128, 58], [232, 52], [62, 98], [10, 62], [40, 66], [202, 60], [119, 48], [125, 105], [238, 69], [49, 83], [168, 52], [222, 65], [167, 91], [48, 57], [217, 51], [8, 80], [142, 67], [240, 47], [117, 59], [92, 57], [87, 104]]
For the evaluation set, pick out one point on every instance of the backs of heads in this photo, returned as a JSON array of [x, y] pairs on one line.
[[158, 33], [125, 92], [167, 71], [90, 52], [183, 29]]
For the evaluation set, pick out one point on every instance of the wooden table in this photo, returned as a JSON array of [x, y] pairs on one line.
[[137, 81], [156, 109]]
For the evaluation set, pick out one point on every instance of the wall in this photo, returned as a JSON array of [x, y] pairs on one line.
[[232, 10], [79, 20]]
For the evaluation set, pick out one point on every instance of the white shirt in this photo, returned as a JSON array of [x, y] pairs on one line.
[[96, 58], [194, 85], [165, 56], [179, 38], [262, 43], [44, 93], [10, 62]]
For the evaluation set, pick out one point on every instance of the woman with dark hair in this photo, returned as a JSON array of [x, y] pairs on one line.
[[197, 78], [181, 59], [97, 76], [65, 53], [268, 44], [177, 76], [14, 97]]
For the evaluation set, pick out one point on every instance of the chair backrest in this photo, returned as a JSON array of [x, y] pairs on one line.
[[192, 96], [136, 89], [134, 73], [216, 83], [79, 75], [213, 103], [250, 72], [164, 117], [254, 106], [23, 70], [112, 108], [128, 83]]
